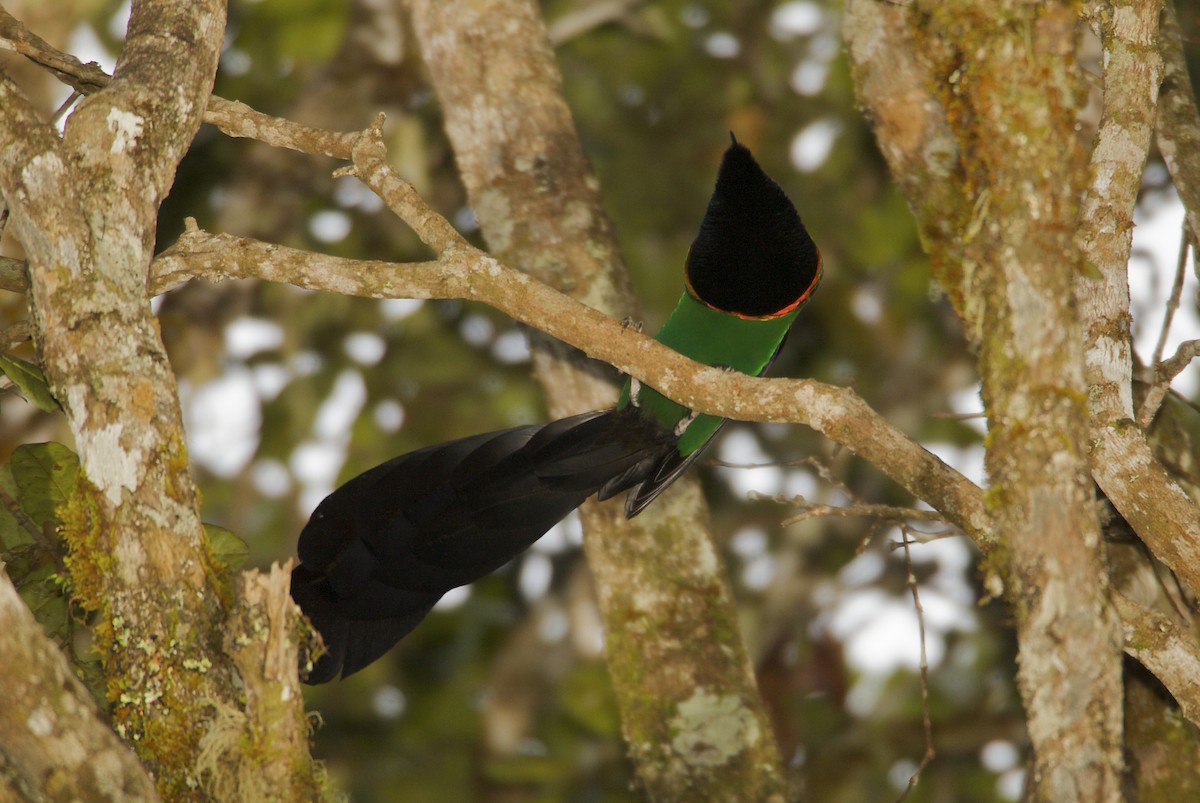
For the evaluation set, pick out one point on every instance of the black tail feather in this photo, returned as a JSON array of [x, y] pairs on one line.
[[381, 550]]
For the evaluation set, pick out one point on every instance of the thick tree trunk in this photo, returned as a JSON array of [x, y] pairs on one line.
[[998, 87], [691, 713], [85, 208]]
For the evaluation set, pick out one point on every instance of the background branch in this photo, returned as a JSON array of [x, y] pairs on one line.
[[675, 652]]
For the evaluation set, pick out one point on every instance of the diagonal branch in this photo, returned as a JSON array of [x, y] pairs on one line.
[[52, 728], [851, 421], [1123, 464], [467, 273], [1166, 649]]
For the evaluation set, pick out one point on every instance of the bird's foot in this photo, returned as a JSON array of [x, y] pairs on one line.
[[682, 424]]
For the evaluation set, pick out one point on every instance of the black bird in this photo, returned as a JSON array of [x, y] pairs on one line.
[[382, 549]]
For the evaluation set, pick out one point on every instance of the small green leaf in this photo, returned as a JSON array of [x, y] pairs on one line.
[[46, 598], [31, 381], [229, 549], [46, 475], [16, 529]]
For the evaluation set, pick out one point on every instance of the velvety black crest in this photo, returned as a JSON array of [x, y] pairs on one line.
[[753, 256]]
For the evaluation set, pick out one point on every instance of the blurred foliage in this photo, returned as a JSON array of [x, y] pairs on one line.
[[655, 93], [35, 481]]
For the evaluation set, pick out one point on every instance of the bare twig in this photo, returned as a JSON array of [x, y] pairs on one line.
[[809, 510], [1171, 367], [580, 21], [233, 118], [1173, 301], [84, 78], [371, 167], [1164, 373], [926, 720], [65, 106]]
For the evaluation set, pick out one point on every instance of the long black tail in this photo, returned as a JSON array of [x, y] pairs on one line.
[[382, 549]]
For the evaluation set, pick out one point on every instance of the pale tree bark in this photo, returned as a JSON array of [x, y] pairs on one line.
[[1122, 463], [692, 717], [84, 206], [56, 745], [1016, 132], [986, 98]]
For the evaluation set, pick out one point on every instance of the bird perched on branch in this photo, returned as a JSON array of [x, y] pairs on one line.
[[382, 549]]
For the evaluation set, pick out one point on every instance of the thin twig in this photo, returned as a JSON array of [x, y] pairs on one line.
[[576, 23], [372, 168], [926, 719], [65, 106], [14, 36], [233, 118], [1164, 373], [1173, 300], [821, 467], [14, 335], [808, 510]]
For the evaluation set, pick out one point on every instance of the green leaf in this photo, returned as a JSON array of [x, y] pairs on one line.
[[14, 531], [229, 549], [46, 475], [45, 596], [31, 381]]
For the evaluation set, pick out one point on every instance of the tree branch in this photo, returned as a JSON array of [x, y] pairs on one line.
[[1166, 649], [1123, 465], [1177, 127], [50, 727], [469, 274]]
